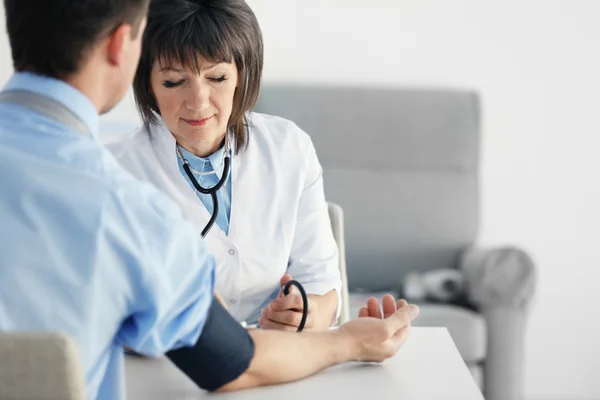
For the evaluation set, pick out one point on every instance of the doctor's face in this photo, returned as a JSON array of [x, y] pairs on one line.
[[195, 106]]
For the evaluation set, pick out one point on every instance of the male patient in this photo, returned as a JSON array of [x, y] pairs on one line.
[[87, 250]]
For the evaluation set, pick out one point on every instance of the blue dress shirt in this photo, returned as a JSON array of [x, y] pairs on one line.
[[88, 250]]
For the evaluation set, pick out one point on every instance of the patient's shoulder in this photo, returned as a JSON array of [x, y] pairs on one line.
[[130, 143]]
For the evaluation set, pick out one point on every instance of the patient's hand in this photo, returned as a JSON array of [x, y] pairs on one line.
[[388, 303]]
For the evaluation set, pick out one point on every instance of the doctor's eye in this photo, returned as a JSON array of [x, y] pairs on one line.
[[171, 84], [218, 79]]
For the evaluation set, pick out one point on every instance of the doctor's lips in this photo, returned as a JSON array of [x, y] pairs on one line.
[[197, 122]]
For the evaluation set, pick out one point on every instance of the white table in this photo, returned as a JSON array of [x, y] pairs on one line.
[[428, 367]]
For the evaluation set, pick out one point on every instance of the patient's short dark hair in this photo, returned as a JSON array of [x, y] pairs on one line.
[[53, 37]]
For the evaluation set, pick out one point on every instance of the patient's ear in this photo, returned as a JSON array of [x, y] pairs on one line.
[[118, 43]]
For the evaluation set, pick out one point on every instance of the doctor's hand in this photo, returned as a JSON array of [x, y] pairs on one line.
[[285, 312]]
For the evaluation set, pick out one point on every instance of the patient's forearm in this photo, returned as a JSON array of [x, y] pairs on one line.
[[285, 356]]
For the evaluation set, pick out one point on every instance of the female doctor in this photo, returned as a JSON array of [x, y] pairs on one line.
[[196, 84]]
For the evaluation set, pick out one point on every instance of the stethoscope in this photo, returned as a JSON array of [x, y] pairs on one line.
[[213, 190], [189, 171]]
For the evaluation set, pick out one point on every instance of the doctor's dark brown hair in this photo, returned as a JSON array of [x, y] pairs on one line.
[[219, 31], [53, 37]]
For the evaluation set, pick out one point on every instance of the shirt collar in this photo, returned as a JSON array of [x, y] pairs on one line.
[[199, 163], [60, 91]]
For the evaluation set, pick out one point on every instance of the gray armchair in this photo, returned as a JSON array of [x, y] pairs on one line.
[[40, 365], [403, 164]]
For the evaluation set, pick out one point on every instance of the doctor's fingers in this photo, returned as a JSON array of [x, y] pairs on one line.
[[285, 279], [291, 318], [292, 301], [266, 323]]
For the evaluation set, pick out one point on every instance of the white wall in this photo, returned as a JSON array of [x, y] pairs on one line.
[[537, 65], [5, 63]]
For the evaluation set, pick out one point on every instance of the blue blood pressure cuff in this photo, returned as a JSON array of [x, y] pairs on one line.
[[223, 351]]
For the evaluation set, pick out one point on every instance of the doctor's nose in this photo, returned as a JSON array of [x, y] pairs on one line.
[[198, 98]]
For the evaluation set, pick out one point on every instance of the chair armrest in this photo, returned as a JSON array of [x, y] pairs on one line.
[[501, 283], [40, 365], [498, 277], [336, 215]]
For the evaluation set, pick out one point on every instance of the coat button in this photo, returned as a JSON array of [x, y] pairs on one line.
[[232, 252], [232, 301]]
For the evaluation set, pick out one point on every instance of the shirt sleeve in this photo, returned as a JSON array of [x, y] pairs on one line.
[[169, 270], [314, 258]]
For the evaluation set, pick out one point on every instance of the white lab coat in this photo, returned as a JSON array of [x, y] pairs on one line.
[[279, 220]]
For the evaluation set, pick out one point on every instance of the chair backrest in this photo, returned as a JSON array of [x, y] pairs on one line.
[[403, 165], [40, 365], [336, 215]]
